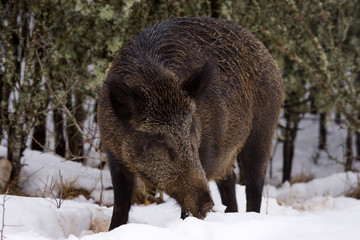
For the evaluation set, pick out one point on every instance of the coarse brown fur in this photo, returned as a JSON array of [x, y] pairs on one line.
[[181, 102]]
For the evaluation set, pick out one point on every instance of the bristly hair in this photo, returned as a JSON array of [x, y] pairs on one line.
[[154, 95]]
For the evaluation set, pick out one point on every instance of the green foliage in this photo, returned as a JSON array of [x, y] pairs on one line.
[[321, 41]]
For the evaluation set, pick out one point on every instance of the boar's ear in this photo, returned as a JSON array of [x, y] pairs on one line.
[[200, 79], [124, 99]]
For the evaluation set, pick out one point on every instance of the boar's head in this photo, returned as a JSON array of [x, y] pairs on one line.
[[161, 132]]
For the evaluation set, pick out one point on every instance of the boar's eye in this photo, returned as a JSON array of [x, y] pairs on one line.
[[160, 141], [157, 142]]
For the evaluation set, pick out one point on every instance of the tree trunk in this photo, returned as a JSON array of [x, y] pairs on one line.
[[6, 38], [16, 146], [338, 118], [60, 144], [39, 136], [292, 122], [349, 154], [215, 7], [16, 120], [322, 131], [358, 143], [76, 142], [4, 101], [358, 146]]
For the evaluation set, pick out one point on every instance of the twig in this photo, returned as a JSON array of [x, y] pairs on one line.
[[62, 189], [50, 190], [332, 157], [64, 107], [59, 156], [272, 157]]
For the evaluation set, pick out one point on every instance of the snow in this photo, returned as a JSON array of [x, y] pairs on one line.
[[318, 209], [333, 186], [39, 218], [43, 170]]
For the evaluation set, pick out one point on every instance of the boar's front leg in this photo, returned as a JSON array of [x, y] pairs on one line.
[[123, 184], [227, 192], [184, 214]]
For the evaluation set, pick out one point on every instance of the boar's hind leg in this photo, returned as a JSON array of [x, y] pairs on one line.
[[123, 183], [227, 192], [253, 159]]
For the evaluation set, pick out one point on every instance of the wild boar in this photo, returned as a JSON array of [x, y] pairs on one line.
[[181, 101]]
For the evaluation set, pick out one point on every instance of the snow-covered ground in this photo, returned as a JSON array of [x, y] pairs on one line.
[[318, 209]]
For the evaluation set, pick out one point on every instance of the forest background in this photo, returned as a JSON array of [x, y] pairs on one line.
[[55, 55]]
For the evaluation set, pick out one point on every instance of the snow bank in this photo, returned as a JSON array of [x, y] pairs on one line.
[[325, 216], [38, 218], [42, 171], [318, 193]]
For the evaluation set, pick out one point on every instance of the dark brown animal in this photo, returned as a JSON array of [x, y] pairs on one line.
[[181, 102]]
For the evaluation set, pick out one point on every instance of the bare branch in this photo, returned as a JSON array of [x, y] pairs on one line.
[[50, 190], [63, 105]]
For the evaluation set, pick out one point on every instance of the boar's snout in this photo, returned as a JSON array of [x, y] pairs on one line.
[[207, 207], [198, 204]]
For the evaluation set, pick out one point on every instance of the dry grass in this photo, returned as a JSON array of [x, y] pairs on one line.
[[355, 192], [67, 191], [12, 188], [301, 178], [71, 192], [146, 194]]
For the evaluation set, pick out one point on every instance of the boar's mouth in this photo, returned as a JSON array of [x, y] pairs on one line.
[[200, 213]]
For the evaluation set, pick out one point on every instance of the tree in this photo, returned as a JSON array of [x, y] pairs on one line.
[[57, 52], [320, 38], [19, 81]]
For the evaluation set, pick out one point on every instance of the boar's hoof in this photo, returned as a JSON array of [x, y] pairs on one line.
[[184, 214]]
